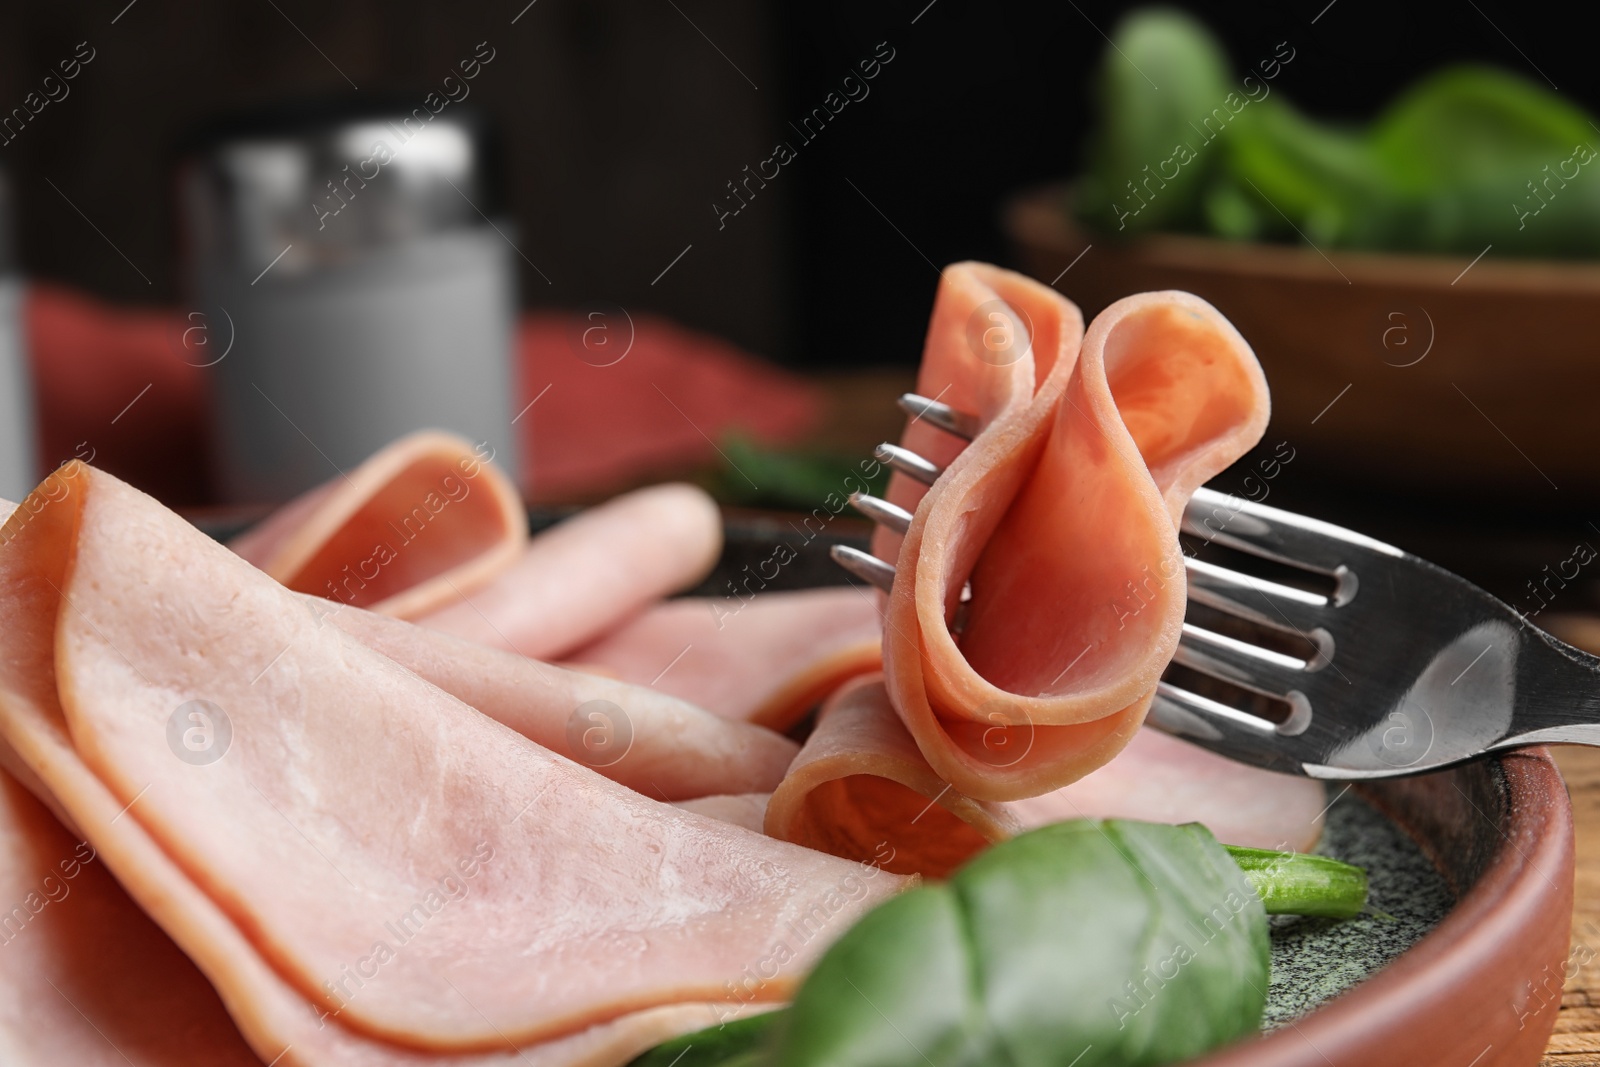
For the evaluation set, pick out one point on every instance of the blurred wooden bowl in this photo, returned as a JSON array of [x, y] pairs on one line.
[[1416, 372]]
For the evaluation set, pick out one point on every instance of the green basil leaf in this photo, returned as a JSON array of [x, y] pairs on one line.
[[1096, 943]]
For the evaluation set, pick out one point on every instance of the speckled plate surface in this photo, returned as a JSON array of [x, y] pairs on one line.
[[1314, 960]]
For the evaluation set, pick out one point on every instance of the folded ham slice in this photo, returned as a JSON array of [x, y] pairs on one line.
[[117, 990], [581, 578], [1062, 514], [860, 781], [768, 659], [534, 899], [422, 521], [85, 978]]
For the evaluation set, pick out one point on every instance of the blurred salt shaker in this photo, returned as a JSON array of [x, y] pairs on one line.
[[346, 286], [18, 460]]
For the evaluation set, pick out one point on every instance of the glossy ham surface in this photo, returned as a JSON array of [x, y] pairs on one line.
[[353, 791], [1062, 515]]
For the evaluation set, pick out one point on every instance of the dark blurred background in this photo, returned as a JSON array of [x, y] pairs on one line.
[[624, 121], [624, 125]]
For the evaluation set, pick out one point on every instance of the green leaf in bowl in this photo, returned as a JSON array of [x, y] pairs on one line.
[[1142, 124]]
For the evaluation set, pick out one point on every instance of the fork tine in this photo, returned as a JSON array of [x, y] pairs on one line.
[[1228, 659], [1224, 730], [1255, 599], [943, 416], [1279, 535], [880, 511], [908, 463], [864, 565]]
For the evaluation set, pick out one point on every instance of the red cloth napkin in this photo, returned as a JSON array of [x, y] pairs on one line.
[[113, 389]]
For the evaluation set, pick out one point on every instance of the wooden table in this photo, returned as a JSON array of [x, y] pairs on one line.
[[1576, 1040]]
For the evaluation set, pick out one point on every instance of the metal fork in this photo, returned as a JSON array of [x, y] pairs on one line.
[[1407, 667]]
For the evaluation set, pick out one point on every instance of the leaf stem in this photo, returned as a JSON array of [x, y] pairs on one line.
[[1296, 883]]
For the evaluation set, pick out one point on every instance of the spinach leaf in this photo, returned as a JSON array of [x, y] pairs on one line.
[[1469, 157], [1142, 126]]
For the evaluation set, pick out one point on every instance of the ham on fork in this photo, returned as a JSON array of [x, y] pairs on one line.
[[1038, 591], [365, 850], [1060, 518]]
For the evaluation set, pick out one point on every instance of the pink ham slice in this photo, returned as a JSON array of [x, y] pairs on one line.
[[352, 788], [767, 659], [582, 578], [647, 740], [427, 517], [860, 782], [1062, 514], [748, 810], [87, 979], [117, 990]]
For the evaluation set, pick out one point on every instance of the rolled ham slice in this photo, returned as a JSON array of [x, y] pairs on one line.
[[768, 659], [537, 899], [585, 576], [422, 521], [860, 782], [1062, 514]]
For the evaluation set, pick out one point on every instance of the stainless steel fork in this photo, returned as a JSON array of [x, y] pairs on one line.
[[1405, 668]]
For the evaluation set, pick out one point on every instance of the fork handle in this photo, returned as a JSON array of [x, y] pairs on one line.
[[1557, 695]]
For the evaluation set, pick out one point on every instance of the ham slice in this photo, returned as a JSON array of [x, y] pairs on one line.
[[1062, 513], [87, 979], [647, 740], [352, 791], [117, 990], [748, 810], [768, 659], [577, 580], [860, 782], [413, 527]]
